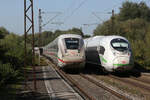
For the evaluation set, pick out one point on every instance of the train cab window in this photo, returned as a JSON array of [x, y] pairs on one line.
[[120, 44], [102, 50], [72, 43]]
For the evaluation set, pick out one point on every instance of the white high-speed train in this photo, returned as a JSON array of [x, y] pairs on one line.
[[67, 51], [112, 53]]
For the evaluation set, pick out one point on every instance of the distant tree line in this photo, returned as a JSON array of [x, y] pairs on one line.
[[48, 36], [132, 22]]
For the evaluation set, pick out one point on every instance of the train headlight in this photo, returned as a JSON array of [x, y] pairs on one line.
[[114, 53], [65, 50]]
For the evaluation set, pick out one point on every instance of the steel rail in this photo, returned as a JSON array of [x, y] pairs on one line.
[[105, 88], [146, 74], [141, 80], [73, 82], [139, 85]]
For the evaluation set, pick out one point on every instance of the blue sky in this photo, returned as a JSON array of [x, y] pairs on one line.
[[74, 13]]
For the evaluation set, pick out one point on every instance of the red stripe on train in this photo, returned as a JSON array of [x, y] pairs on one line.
[[64, 61]]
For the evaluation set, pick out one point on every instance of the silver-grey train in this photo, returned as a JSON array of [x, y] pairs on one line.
[[111, 53], [67, 51]]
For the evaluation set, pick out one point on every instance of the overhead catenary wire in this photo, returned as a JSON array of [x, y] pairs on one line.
[[113, 7], [97, 16], [54, 12], [105, 12], [66, 18], [70, 7], [90, 24], [67, 10], [57, 14]]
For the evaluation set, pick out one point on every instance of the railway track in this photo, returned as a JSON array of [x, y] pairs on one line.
[[146, 74], [81, 91], [141, 80], [73, 83], [122, 97], [139, 85]]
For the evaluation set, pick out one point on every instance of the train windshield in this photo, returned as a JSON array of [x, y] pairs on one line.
[[120, 44], [72, 43]]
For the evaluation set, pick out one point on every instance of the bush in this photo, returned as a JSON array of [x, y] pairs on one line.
[[7, 74]]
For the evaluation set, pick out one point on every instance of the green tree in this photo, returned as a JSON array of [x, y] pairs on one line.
[[11, 58], [130, 10], [75, 31], [3, 32]]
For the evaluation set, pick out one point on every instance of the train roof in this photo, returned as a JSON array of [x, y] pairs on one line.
[[64, 36], [110, 37], [93, 37], [94, 41], [69, 35], [114, 36]]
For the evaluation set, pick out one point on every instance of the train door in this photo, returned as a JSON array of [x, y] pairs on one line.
[[101, 51], [92, 55]]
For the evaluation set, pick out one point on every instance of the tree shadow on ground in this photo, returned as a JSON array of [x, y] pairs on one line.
[[37, 71], [36, 96], [25, 95], [42, 79], [7, 93], [127, 74], [39, 76]]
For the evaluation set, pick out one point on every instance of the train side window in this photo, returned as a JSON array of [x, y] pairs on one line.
[[102, 50]]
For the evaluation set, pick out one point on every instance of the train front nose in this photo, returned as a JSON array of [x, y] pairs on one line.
[[122, 64], [74, 56]]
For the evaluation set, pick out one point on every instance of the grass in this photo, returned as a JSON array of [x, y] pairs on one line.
[[43, 62], [28, 68], [148, 67], [122, 87], [9, 92]]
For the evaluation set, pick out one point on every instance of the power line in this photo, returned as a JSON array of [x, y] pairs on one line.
[[75, 10], [97, 16], [57, 14], [113, 7], [90, 24], [68, 8], [71, 5], [41, 26]]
